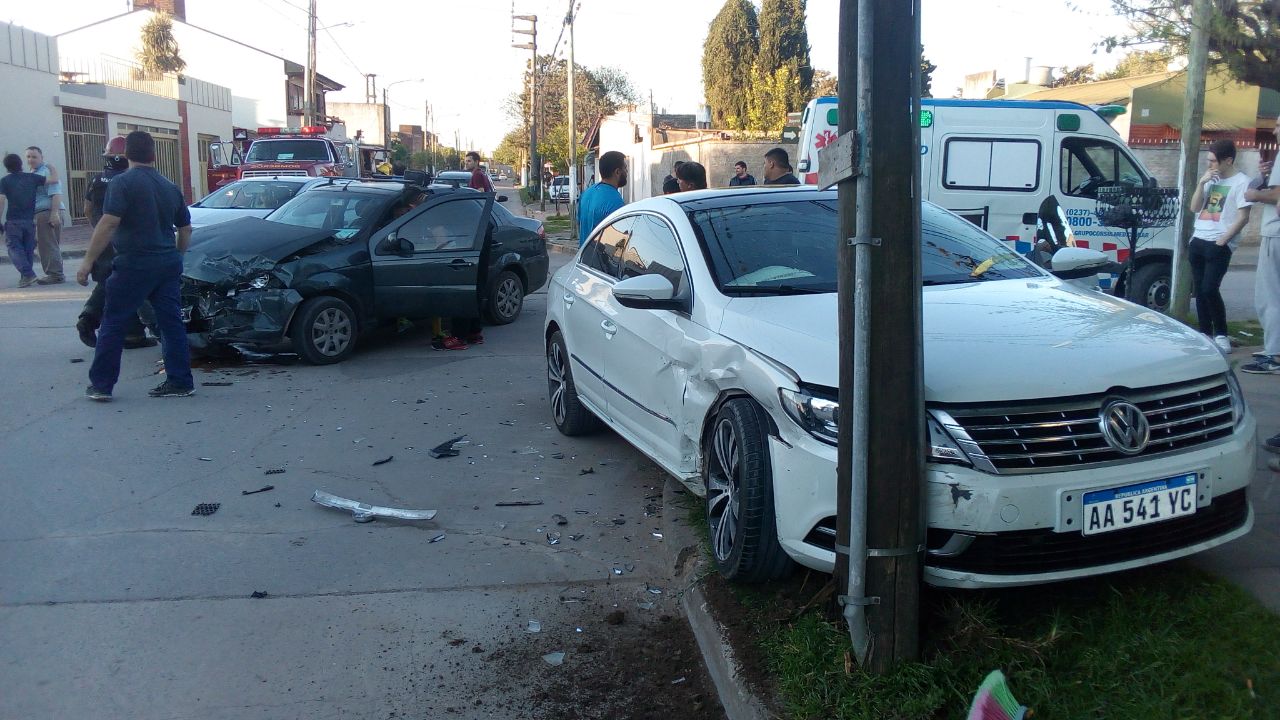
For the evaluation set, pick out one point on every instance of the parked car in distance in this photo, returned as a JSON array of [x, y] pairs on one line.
[[251, 197], [340, 259], [452, 178], [560, 188], [1069, 433]]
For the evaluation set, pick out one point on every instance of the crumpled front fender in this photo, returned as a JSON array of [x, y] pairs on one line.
[[257, 317]]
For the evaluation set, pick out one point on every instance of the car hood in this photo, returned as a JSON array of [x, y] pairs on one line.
[[994, 341], [204, 217], [240, 248]]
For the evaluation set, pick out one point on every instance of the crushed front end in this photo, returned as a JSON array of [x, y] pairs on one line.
[[255, 313]]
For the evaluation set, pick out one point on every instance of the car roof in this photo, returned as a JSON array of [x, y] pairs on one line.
[[721, 197], [274, 178], [366, 186], [454, 173]]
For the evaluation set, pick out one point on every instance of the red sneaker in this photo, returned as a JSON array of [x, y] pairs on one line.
[[453, 343], [477, 339]]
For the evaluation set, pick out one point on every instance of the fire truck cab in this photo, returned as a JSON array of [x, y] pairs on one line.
[[311, 150]]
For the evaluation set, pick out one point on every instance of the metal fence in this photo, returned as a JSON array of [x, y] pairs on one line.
[[86, 136], [117, 72]]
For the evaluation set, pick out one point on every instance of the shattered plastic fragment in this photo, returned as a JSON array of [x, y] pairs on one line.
[[588, 471], [656, 534], [274, 471], [645, 605], [617, 571], [446, 448], [557, 456], [437, 538], [560, 519], [259, 490], [517, 503], [582, 512], [364, 512], [677, 681], [259, 594], [206, 508], [215, 384], [533, 626], [555, 658], [384, 461], [653, 590], [205, 459], [577, 537], [619, 521], [553, 538]]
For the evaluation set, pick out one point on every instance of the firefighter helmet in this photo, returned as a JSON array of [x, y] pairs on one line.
[[113, 153]]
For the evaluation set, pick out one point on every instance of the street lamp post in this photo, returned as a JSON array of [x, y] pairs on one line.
[[386, 110]]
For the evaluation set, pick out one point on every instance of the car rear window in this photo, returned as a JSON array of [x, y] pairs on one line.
[[251, 195], [791, 245]]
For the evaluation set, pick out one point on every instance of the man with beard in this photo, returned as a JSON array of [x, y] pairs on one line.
[[602, 198]]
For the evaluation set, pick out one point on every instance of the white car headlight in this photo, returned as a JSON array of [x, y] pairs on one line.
[[260, 282], [1238, 405], [942, 447], [815, 413]]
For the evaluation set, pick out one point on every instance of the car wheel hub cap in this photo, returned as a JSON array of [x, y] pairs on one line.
[[331, 332], [508, 297], [1158, 294], [557, 382], [723, 490]]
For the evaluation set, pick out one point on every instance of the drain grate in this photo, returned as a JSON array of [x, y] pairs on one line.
[[206, 508]]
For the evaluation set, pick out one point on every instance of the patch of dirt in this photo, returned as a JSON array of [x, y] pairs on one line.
[[627, 662], [787, 598]]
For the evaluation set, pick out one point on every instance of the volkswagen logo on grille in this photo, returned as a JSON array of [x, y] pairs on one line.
[[1125, 427]]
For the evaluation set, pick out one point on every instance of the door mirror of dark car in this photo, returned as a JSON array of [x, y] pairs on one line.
[[404, 247], [647, 292]]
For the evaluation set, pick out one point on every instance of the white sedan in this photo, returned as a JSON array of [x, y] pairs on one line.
[[1070, 433], [250, 197]]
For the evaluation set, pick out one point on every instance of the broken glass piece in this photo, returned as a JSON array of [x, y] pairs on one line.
[[553, 538], [555, 658], [533, 626]]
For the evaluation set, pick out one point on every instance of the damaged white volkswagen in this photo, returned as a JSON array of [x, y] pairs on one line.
[[1070, 433]]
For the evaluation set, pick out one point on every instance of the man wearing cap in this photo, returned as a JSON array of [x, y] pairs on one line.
[[146, 220]]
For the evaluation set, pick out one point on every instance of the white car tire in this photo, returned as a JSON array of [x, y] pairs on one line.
[[567, 411]]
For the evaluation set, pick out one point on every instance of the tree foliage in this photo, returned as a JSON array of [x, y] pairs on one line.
[[1139, 62], [728, 54], [769, 98], [826, 84], [1244, 35], [784, 44], [926, 75], [597, 92], [159, 52], [1077, 75]]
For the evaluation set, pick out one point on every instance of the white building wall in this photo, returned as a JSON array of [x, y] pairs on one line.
[[618, 132], [257, 79], [369, 118], [29, 113], [208, 113]]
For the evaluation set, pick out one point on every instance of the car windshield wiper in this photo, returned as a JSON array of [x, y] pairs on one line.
[[775, 290]]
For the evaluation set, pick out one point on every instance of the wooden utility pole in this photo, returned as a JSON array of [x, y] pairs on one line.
[[573, 137], [1189, 165], [309, 79], [880, 470], [535, 169]]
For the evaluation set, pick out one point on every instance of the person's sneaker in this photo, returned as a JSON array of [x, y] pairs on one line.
[[1262, 367], [133, 342], [453, 343], [1223, 343], [1272, 443], [477, 339], [27, 281], [168, 389], [97, 395], [1261, 356], [50, 280], [88, 331]]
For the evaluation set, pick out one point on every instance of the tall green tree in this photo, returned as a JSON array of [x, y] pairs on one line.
[[159, 53], [1139, 62], [1077, 75], [784, 43], [597, 92], [926, 75], [1244, 35], [825, 83], [728, 54]]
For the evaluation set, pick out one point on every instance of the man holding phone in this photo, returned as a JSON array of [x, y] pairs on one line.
[[1221, 213]]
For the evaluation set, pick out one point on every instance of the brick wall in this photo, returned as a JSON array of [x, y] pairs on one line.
[[1163, 161]]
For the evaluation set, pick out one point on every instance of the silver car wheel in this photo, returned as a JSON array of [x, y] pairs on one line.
[[331, 332], [722, 490], [557, 382], [509, 297]]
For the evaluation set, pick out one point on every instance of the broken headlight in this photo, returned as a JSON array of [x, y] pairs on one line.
[[942, 447], [814, 411], [1238, 405], [260, 282]]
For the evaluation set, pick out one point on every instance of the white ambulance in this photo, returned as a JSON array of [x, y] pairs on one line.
[[994, 162]]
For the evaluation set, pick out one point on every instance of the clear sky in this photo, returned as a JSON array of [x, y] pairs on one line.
[[461, 49]]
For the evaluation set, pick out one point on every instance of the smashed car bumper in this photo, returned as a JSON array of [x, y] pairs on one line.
[[257, 317]]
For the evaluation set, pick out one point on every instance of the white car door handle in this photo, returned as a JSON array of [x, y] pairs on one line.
[[609, 328], [568, 299]]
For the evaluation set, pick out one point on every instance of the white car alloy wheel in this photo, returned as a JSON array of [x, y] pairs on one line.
[[723, 501], [570, 416]]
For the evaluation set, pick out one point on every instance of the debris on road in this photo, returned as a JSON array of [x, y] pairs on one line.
[[557, 456], [384, 461], [274, 471], [437, 538], [645, 605], [555, 658], [653, 590], [617, 571], [259, 594], [508, 423], [582, 512], [656, 534], [577, 537], [364, 512], [677, 681], [193, 422], [216, 384], [517, 503], [553, 538], [259, 490], [533, 626], [206, 508], [77, 360], [619, 521], [588, 471], [446, 448], [560, 519], [205, 459], [617, 617]]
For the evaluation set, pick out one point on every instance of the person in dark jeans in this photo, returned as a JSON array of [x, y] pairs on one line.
[[90, 318], [145, 218], [18, 196], [1221, 213]]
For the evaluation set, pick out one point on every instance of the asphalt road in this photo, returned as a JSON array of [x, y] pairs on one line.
[[118, 602]]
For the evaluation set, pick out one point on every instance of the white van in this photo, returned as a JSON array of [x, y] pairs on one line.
[[994, 162]]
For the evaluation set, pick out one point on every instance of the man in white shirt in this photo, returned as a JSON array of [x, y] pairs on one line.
[[1221, 213], [1266, 289]]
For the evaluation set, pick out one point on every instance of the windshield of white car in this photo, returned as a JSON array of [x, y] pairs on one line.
[[250, 195], [790, 246], [288, 151], [346, 213]]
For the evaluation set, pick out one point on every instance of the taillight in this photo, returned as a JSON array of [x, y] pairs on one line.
[[542, 232]]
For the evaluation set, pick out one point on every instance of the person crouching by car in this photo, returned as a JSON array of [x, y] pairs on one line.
[[114, 163]]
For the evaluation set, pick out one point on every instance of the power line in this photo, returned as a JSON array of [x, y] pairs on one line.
[[350, 62]]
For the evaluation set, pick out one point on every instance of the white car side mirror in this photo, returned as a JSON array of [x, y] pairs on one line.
[[647, 292], [1075, 262]]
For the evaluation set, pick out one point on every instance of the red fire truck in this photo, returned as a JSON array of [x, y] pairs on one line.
[[311, 150]]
